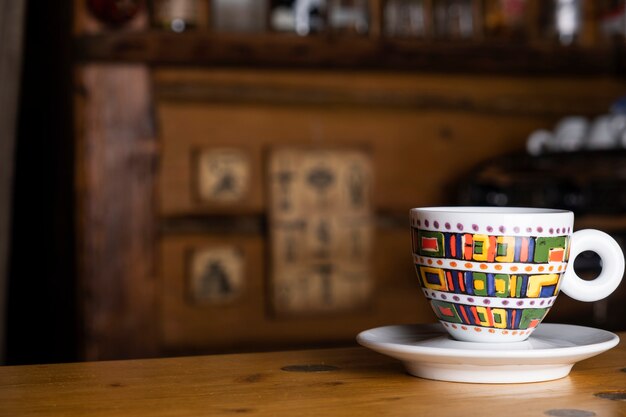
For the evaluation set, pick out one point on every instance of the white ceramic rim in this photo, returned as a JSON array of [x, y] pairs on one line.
[[513, 221], [472, 210]]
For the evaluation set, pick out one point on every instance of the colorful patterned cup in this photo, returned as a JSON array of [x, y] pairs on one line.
[[491, 274]]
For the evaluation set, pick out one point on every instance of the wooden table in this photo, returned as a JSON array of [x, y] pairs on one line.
[[331, 382]]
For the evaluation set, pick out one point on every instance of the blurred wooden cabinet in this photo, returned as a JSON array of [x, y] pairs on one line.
[[202, 178]]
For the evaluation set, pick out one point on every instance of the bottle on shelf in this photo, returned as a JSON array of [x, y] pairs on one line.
[[282, 16], [561, 20], [453, 19]]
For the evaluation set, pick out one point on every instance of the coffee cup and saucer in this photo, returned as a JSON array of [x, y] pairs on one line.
[[491, 275]]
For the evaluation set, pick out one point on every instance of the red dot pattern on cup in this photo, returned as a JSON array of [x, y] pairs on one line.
[[516, 229], [493, 302]]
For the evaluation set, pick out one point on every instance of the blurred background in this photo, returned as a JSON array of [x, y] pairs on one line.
[[205, 176]]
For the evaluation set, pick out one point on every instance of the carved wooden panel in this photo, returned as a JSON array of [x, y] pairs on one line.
[[320, 227]]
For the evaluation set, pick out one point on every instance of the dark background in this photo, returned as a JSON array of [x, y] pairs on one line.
[[41, 314]]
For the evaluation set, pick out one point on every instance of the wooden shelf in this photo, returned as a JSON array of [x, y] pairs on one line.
[[274, 50]]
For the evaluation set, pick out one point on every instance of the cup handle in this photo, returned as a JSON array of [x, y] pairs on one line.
[[612, 266]]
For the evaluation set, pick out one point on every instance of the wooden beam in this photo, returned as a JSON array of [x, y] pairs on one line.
[[336, 52], [116, 167], [495, 95]]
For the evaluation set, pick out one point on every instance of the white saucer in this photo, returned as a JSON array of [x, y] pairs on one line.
[[429, 352]]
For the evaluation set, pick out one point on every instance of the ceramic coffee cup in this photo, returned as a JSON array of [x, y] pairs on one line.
[[491, 274]]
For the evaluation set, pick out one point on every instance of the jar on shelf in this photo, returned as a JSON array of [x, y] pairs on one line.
[[311, 16], [304, 17], [612, 18], [238, 15], [114, 13], [177, 15], [453, 19], [351, 16], [405, 18], [505, 19]]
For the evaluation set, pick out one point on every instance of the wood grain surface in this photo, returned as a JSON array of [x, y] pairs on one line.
[[335, 382]]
